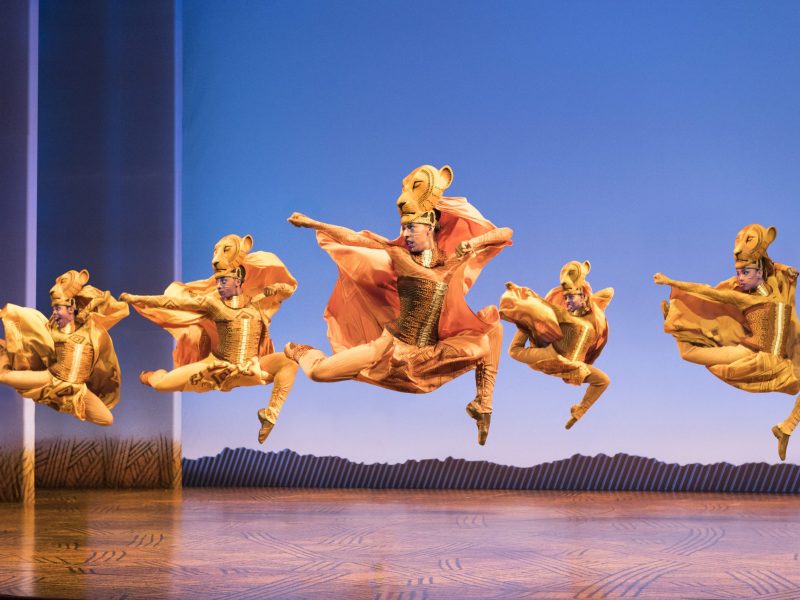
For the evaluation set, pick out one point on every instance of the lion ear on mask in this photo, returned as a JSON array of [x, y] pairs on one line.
[[247, 243], [446, 172], [83, 277], [772, 233], [587, 266]]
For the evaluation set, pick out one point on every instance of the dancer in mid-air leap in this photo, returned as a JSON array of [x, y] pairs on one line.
[[221, 325], [744, 330], [398, 317], [67, 362], [567, 330]]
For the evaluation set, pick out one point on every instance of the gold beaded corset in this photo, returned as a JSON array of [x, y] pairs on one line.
[[74, 356], [576, 339], [769, 326], [421, 302], [240, 336]]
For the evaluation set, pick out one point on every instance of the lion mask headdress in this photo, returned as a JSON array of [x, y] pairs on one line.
[[573, 276], [750, 247], [229, 254], [67, 286], [422, 191]]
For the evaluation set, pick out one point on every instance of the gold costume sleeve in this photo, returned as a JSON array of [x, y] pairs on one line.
[[501, 235], [348, 237], [28, 340], [173, 302]]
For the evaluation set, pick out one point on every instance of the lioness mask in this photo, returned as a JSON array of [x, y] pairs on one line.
[[573, 276], [229, 254], [751, 245], [422, 190], [67, 286]]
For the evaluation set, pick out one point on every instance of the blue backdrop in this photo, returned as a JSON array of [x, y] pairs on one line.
[[639, 136]]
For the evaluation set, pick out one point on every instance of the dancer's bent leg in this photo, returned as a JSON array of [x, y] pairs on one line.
[[346, 364]]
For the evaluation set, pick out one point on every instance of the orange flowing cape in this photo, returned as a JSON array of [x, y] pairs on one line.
[[365, 297], [30, 345], [703, 322], [195, 334]]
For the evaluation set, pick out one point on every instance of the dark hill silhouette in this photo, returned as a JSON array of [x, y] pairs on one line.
[[254, 468]]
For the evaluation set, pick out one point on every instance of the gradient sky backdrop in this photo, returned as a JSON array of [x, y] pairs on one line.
[[639, 136]]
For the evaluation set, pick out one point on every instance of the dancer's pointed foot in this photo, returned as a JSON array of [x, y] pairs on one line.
[[266, 426], [576, 412], [783, 441], [295, 351], [482, 421]]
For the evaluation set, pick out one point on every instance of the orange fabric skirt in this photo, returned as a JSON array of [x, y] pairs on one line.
[[407, 368]]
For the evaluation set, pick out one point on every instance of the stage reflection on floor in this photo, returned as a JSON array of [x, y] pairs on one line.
[[268, 543]]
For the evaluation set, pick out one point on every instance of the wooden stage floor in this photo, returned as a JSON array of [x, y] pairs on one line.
[[267, 543]]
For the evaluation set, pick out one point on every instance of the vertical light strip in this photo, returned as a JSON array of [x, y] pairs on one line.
[[177, 178], [29, 431]]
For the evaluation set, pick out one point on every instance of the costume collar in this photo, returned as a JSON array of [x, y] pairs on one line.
[[428, 258], [762, 290], [234, 302]]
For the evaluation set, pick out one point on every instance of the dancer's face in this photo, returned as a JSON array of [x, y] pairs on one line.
[[749, 277], [575, 302], [418, 237], [227, 287], [63, 315]]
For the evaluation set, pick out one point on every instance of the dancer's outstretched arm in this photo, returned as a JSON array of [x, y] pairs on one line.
[[196, 304], [343, 235], [501, 235], [278, 292], [701, 289]]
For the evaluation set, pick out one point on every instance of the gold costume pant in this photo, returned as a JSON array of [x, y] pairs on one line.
[[282, 372], [71, 398], [212, 373], [751, 371], [789, 423], [393, 364], [547, 360]]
